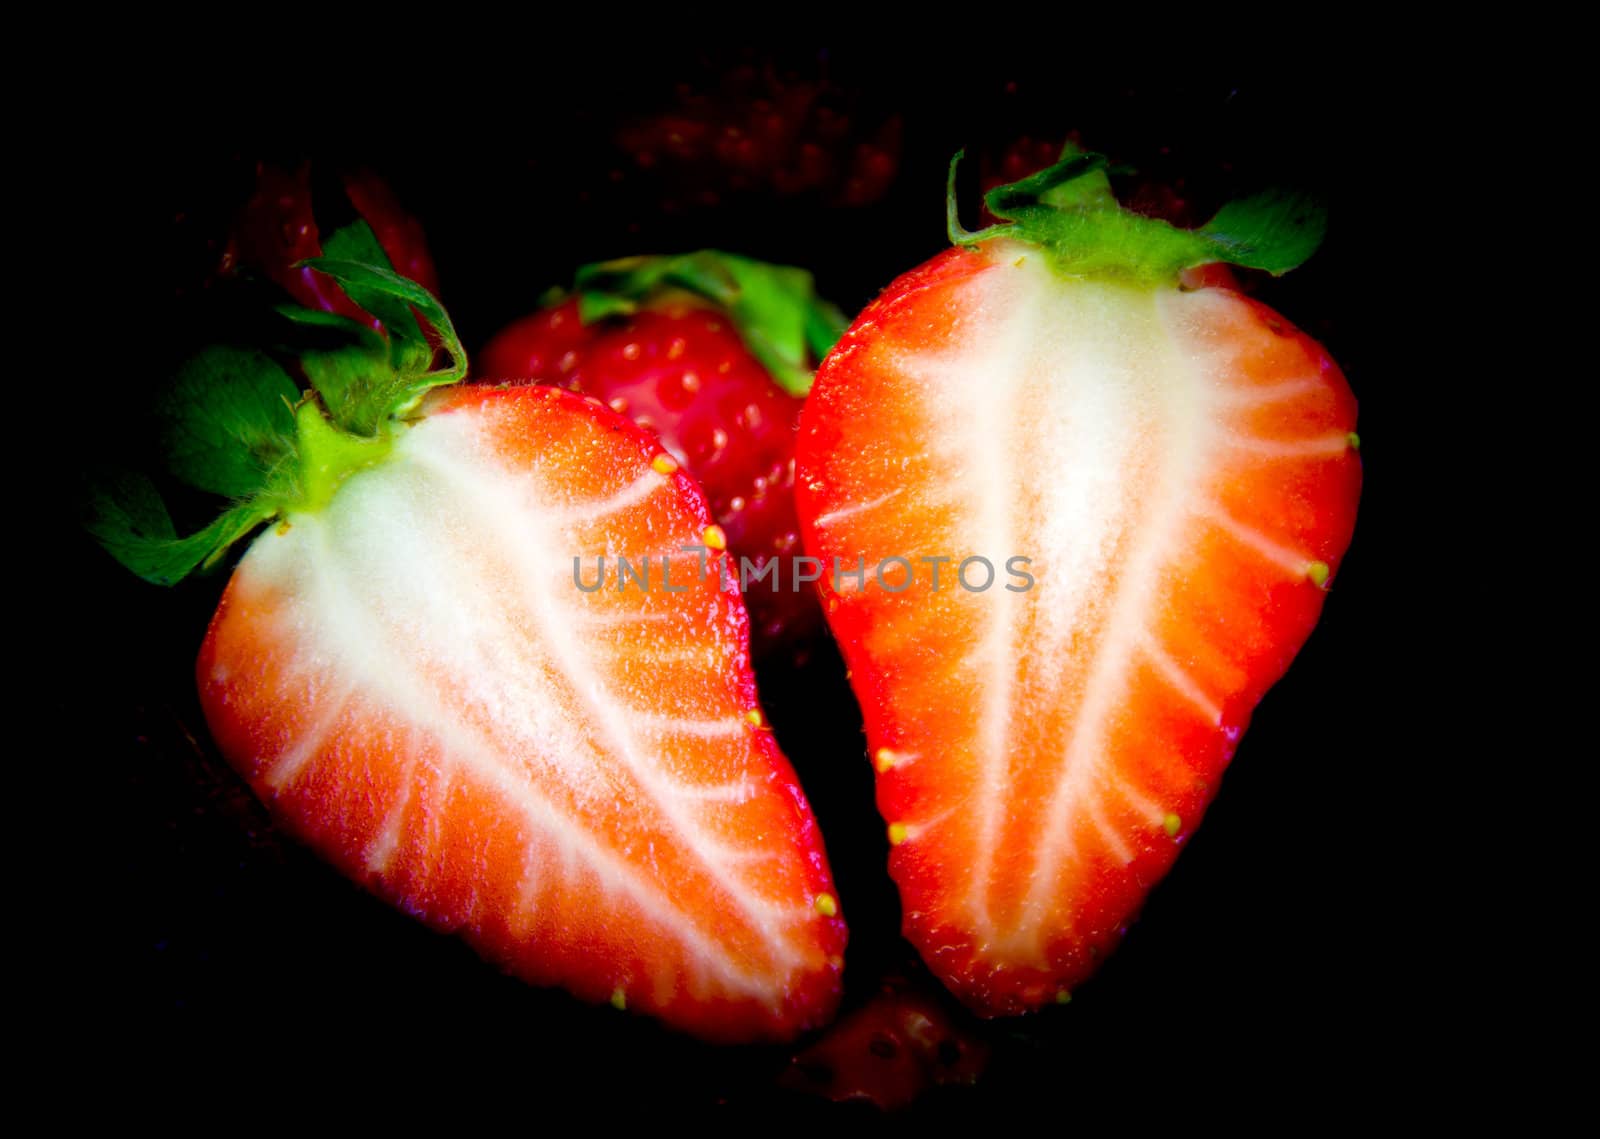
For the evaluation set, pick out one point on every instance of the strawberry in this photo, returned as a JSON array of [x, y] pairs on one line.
[[1162, 480], [890, 1052], [413, 669], [765, 132], [276, 232], [713, 354]]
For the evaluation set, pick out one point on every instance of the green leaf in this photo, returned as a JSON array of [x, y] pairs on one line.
[[411, 374], [1069, 211], [1276, 230], [356, 244], [1078, 181], [593, 307], [352, 376], [128, 518], [781, 318], [316, 318], [227, 421], [958, 234], [825, 323], [237, 425]]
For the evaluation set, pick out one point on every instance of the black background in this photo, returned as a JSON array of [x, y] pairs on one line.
[[1273, 970]]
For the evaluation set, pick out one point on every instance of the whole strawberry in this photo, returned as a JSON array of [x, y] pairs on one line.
[[275, 233], [714, 354], [760, 131]]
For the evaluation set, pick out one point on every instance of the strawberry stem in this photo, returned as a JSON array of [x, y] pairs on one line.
[[328, 456], [1069, 211]]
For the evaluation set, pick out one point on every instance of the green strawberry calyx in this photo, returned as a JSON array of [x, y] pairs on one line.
[[776, 309], [1069, 211], [277, 433]]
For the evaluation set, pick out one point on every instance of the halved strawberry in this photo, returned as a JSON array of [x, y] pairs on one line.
[[712, 353], [1162, 481], [413, 670]]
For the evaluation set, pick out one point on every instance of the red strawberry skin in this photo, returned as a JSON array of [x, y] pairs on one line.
[[763, 132], [399, 233], [1180, 469], [579, 784], [680, 370], [890, 1052], [277, 229]]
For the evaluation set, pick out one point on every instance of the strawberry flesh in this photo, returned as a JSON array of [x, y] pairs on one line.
[[680, 370], [1179, 468], [578, 783]]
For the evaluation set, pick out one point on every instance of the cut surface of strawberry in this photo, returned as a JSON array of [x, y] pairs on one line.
[[1154, 487], [434, 671]]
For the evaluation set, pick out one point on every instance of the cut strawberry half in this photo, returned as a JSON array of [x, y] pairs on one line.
[[1098, 516], [431, 670]]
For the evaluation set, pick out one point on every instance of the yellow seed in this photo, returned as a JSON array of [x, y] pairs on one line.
[[714, 538], [664, 464], [883, 760], [1354, 440], [619, 999], [826, 906], [835, 961], [1063, 997], [1172, 824], [898, 833], [754, 716], [1318, 573]]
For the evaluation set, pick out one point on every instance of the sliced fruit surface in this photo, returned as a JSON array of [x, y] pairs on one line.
[[712, 353], [420, 682], [1178, 469]]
